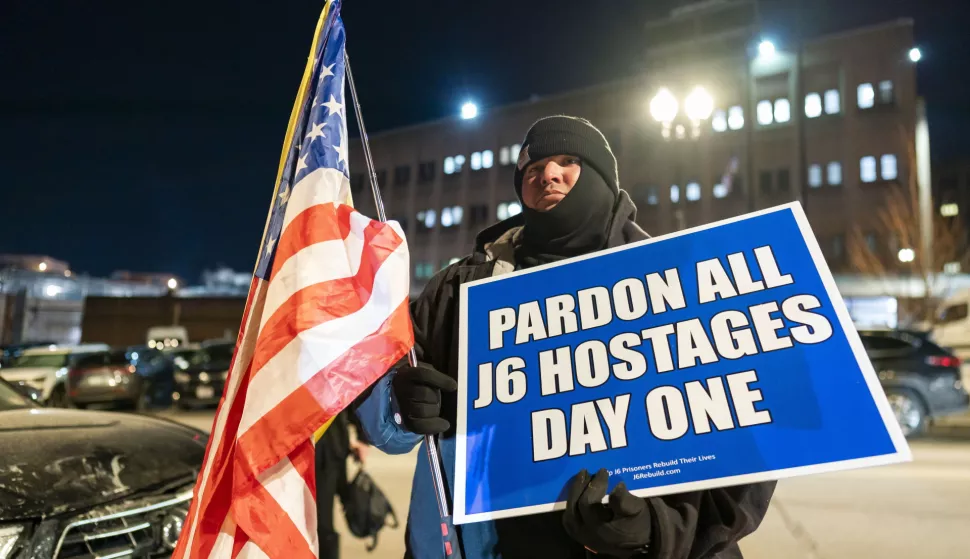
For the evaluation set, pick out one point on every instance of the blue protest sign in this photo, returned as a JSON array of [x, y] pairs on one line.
[[716, 356]]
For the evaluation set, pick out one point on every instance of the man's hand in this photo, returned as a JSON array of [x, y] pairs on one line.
[[418, 393], [619, 529]]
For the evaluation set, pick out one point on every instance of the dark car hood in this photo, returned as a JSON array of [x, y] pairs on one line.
[[59, 461]]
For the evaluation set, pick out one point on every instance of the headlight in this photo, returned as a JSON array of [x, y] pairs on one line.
[[203, 377], [8, 539]]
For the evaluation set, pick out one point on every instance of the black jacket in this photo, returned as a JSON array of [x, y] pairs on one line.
[[689, 525]]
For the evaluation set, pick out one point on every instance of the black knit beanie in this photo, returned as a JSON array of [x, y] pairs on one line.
[[567, 135]]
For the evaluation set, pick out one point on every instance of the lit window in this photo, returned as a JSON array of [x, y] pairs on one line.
[[835, 173], [813, 105], [833, 102], [867, 169], [693, 192], [449, 166], [888, 165], [502, 211], [782, 110], [514, 153], [719, 121], [764, 113], [457, 213], [949, 210], [446, 217], [720, 190], [514, 209], [951, 268], [674, 193], [735, 118], [885, 92], [503, 156], [476, 161], [652, 198], [488, 159], [866, 95], [506, 210], [815, 176], [427, 217]]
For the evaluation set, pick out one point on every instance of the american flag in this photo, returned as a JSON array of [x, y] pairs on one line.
[[326, 316]]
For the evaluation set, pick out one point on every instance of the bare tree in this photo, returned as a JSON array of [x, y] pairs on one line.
[[899, 218]]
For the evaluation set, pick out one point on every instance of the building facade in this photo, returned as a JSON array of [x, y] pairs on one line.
[[829, 122]]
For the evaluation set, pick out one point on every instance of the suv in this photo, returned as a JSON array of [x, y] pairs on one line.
[[139, 377], [41, 373], [921, 379], [203, 380]]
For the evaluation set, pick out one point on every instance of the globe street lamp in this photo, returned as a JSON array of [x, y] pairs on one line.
[[699, 104], [907, 255], [469, 110], [766, 49], [915, 54]]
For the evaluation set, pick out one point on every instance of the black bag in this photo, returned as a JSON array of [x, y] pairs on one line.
[[366, 508]]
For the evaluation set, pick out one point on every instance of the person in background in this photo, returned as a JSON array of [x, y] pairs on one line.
[[567, 180], [332, 450]]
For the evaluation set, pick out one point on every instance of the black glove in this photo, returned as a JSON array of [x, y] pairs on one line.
[[418, 393], [620, 529]]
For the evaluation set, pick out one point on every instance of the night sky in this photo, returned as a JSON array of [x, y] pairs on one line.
[[146, 135]]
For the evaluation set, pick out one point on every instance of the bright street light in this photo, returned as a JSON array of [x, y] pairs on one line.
[[663, 106], [173, 283], [469, 110], [42, 266], [915, 54], [699, 104], [907, 255], [766, 49]]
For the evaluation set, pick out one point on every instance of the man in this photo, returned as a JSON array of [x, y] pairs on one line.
[[332, 449], [566, 178]]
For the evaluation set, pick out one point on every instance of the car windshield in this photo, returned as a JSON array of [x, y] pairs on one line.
[[212, 354], [10, 399], [42, 360]]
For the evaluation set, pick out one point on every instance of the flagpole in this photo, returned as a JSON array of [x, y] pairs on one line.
[[431, 444]]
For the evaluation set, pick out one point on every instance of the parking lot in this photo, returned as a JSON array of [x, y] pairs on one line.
[[919, 509]]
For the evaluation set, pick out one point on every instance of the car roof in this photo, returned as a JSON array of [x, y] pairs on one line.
[[66, 349]]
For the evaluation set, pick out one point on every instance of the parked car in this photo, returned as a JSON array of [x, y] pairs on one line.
[[921, 379], [86, 484], [138, 377], [42, 372], [203, 381], [10, 352]]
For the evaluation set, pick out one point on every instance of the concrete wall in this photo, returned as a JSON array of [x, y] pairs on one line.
[[125, 321]]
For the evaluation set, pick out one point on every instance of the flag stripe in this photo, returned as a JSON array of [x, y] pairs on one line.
[[316, 224], [261, 442], [322, 186], [317, 347]]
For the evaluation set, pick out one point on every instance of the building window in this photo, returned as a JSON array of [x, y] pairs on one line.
[[478, 213], [764, 181], [782, 110], [402, 175], [720, 190], [426, 172], [454, 164], [476, 161], [886, 95], [514, 154], [813, 105], [784, 180], [652, 197], [736, 118], [481, 160], [451, 216], [719, 121], [833, 102], [815, 175], [834, 173], [951, 268], [423, 270], [866, 96], [871, 242], [887, 165], [949, 210], [674, 193], [503, 155], [867, 169], [426, 220], [764, 113], [381, 177], [693, 192], [506, 210], [488, 159]]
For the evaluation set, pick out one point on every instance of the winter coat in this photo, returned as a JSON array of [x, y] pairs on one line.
[[698, 524]]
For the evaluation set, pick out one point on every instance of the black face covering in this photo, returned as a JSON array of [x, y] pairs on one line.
[[579, 224]]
